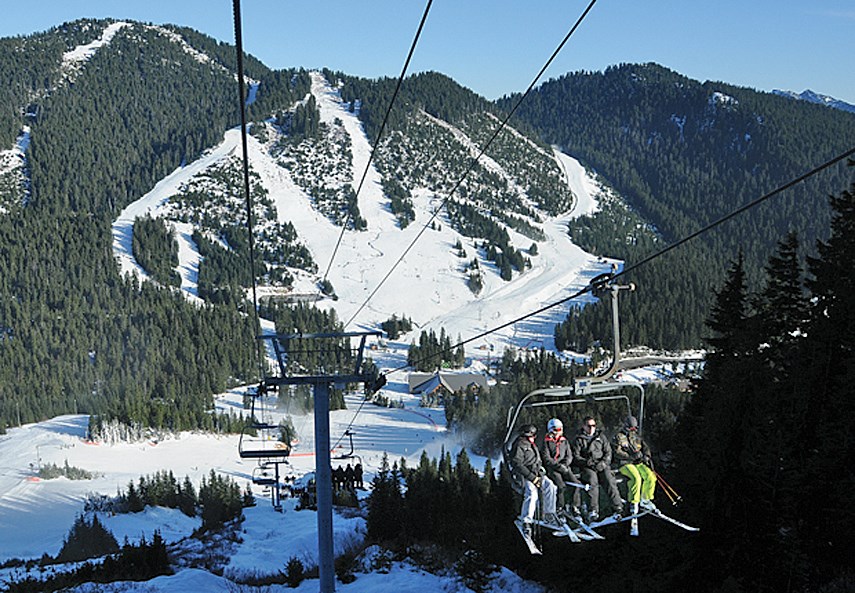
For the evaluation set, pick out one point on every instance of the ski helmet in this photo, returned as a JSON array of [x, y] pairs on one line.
[[554, 424], [528, 430], [631, 422]]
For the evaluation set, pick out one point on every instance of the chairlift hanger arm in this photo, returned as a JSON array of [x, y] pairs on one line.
[[600, 284]]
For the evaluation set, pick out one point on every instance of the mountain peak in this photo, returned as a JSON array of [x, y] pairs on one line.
[[814, 97]]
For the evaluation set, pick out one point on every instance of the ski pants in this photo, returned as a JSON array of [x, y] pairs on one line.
[[593, 479], [531, 495], [642, 481], [559, 478]]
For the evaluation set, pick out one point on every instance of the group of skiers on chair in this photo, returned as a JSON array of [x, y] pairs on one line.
[[548, 472]]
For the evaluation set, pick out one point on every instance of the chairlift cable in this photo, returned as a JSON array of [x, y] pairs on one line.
[[379, 135], [248, 196], [460, 181], [475, 159], [648, 259]]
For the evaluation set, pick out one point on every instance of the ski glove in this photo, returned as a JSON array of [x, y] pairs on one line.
[[537, 481]]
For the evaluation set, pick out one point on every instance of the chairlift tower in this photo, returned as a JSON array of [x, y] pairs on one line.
[[345, 364]]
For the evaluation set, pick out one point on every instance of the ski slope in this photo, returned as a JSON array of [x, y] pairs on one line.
[[426, 284]]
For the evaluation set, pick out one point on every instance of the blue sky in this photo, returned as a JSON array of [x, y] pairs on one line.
[[497, 46]]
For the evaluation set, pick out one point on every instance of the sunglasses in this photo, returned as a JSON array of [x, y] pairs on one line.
[[591, 425]]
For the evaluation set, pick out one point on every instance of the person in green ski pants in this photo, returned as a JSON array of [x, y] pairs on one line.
[[632, 455]]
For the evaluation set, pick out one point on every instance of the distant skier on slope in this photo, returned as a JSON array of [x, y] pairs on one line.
[[528, 469], [633, 456]]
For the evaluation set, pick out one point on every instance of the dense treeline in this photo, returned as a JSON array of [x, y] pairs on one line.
[[278, 90], [133, 562], [74, 336], [433, 92], [156, 250], [440, 502], [433, 352], [127, 122], [684, 154], [94, 343], [29, 68], [770, 421]]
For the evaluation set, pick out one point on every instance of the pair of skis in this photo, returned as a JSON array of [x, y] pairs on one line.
[[633, 518], [562, 530], [586, 531]]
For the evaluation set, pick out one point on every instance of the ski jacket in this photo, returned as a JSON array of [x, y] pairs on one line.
[[525, 459], [593, 452], [629, 447], [557, 454]]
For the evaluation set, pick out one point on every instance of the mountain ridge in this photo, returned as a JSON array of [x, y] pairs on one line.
[[818, 98], [143, 107]]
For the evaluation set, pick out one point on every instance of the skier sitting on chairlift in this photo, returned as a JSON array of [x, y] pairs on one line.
[[633, 456], [529, 471], [557, 458], [593, 455]]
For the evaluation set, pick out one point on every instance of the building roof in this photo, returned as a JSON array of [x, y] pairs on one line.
[[429, 382]]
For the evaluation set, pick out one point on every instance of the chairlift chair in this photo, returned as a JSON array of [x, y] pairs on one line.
[[591, 391], [260, 439]]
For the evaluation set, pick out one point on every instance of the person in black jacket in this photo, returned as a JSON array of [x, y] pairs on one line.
[[529, 471], [593, 456], [558, 459]]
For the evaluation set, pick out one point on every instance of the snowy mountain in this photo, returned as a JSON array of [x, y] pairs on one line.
[[433, 275], [301, 187], [123, 130], [812, 97]]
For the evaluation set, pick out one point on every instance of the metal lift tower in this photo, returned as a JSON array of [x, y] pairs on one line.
[[340, 364]]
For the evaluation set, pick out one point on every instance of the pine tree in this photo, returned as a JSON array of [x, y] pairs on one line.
[[828, 376], [385, 504], [87, 540]]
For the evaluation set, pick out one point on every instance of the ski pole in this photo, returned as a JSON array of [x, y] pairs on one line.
[[667, 493], [667, 487], [584, 487]]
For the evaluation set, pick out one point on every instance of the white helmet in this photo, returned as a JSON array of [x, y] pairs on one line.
[[554, 424]]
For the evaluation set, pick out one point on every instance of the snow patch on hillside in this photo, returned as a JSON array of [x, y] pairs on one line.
[[584, 185], [13, 160], [74, 59]]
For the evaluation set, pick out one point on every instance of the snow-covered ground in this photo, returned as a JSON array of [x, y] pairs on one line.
[[35, 515]]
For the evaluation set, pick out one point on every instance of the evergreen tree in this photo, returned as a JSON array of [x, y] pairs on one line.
[[87, 539], [826, 386], [384, 505]]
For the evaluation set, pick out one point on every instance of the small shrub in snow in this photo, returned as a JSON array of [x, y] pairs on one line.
[[295, 572]]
